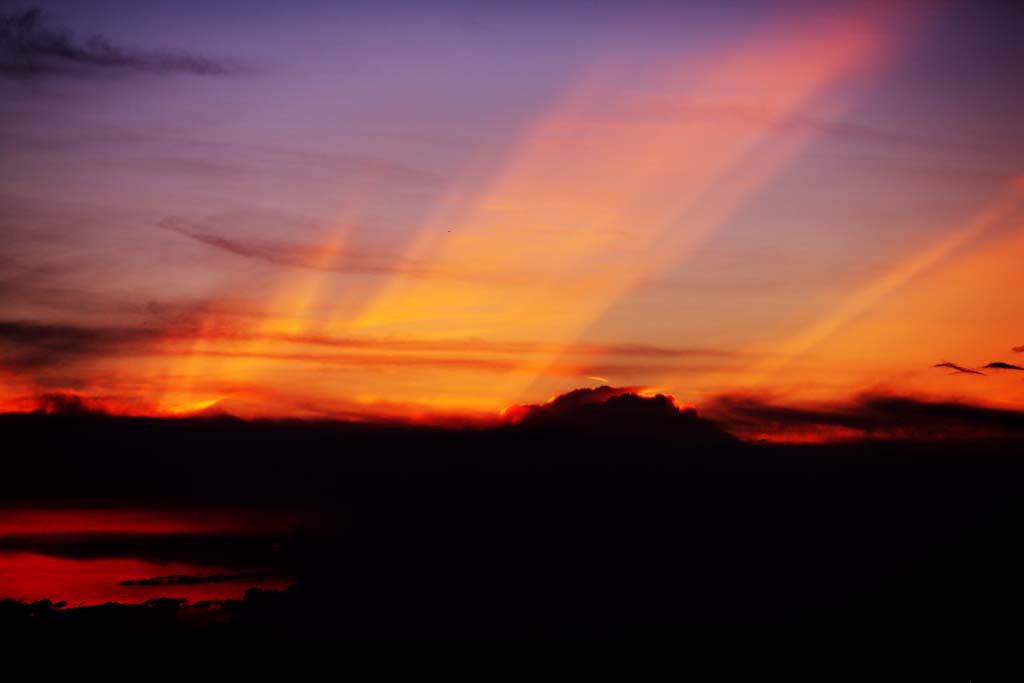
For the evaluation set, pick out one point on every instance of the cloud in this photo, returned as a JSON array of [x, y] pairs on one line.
[[861, 133], [999, 365], [478, 345], [957, 368], [349, 166], [750, 114], [68, 403], [1018, 349], [289, 253], [29, 345], [32, 346], [867, 416], [616, 411], [31, 48], [187, 579]]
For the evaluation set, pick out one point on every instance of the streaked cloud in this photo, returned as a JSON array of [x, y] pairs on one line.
[[866, 416], [958, 368], [31, 47], [291, 254], [188, 579]]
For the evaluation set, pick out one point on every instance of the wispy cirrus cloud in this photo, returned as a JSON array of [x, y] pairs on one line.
[[957, 368], [33, 346], [750, 113], [31, 47], [290, 254]]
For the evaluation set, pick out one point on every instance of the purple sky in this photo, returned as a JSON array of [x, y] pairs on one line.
[[294, 169]]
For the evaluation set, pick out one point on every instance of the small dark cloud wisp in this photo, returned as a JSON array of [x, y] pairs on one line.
[[187, 579], [999, 365], [957, 368], [285, 253], [31, 47]]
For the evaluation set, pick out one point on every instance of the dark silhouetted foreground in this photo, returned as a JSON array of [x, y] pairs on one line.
[[533, 530]]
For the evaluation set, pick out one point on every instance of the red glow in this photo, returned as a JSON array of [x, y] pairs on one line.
[[30, 577], [34, 522]]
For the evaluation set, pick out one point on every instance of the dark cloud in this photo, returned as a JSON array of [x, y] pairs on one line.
[[29, 47], [999, 365], [226, 556], [187, 579], [29, 345], [869, 416], [67, 403], [957, 368], [60, 337], [1018, 349], [575, 399], [616, 411], [207, 604], [288, 253]]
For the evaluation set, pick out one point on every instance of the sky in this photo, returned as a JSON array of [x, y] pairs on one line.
[[431, 211]]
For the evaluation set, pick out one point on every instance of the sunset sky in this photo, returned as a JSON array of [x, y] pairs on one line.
[[429, 213]]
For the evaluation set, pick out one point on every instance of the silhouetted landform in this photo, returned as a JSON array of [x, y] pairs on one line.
[[526, 531], [999, 365]]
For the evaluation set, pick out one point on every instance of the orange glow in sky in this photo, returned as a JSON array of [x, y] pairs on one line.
[[702, 216]]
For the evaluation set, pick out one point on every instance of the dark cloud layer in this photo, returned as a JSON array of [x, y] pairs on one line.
[[67, 403], [30, 47], [869, 416], [616, 411], [35, 345], [187, 579], [29, 345]]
